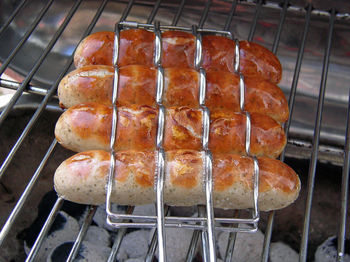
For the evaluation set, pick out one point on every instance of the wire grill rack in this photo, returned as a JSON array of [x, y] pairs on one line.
[[183, 222], [206, 226]]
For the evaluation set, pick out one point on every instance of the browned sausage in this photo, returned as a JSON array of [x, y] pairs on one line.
[[82, 179], [137, 85], [87, 127], [137, 48]]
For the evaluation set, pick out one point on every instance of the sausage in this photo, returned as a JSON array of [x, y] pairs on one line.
[[82, 179], [136, 47], [88, 126], [137, 85]]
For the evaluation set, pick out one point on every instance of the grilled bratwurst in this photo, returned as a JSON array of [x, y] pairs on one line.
[[82, 179], [178, 50], [137, 85], [88, 127]]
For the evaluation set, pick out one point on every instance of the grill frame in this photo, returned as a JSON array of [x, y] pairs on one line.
[[48, 94]]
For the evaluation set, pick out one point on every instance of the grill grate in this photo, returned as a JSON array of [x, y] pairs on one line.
[[48, 94]]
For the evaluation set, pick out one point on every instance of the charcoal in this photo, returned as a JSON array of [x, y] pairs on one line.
[[248, 247], [282, 252], [327, 251]]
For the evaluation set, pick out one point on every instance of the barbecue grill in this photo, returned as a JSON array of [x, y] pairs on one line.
[[37, 40]]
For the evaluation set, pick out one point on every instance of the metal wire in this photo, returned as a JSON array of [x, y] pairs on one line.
[[118, 240], [204, 14], [230, 16], [14, 214], [255, 20], [10, 19], [208, 159], [110, 182], [316, 140], [160, 151], [29, 88], [193, 246], [280, 25], [154, 12], [344, 190], [59, 202], [175, 221], [231, 240], [178, 13], [204, 236], [45, 229], [154, 241], [3, 67], [82, 233], [20, 90], [268, 232], [209, 221]]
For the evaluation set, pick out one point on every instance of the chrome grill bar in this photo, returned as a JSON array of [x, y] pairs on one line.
[[26, 193], [268, 233], [3, 67], [29, 88], [11, 219], [118, 240], [230, 16], [231, 240], [154, 12], [280, 26], [313, 164], [14, 13], [255, 20], [178, 13], [45, 229], [19, 91], [344, 191], [82, 233]]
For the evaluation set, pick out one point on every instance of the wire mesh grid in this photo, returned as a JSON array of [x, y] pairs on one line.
[[161, 219]]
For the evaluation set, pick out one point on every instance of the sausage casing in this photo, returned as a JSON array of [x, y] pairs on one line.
[[137, 85], [82, 179], [88, 126], [178, 49]]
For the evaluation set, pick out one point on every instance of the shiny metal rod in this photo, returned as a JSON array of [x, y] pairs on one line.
[[118, 240], [45, 229], [16, 210], [255, 20], [3, 67], [231, 240], [204, 14], [191, 252], [154, 242], [154, 12], [230, 16], [316, 140], [82, 233], [292, 93], [344, 191], [162, 257], [209, 207], [25, 37], [40, 109], [29, 88], [178, 13], [13, 14], [20, 90], [280, 26], [127, 10]]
